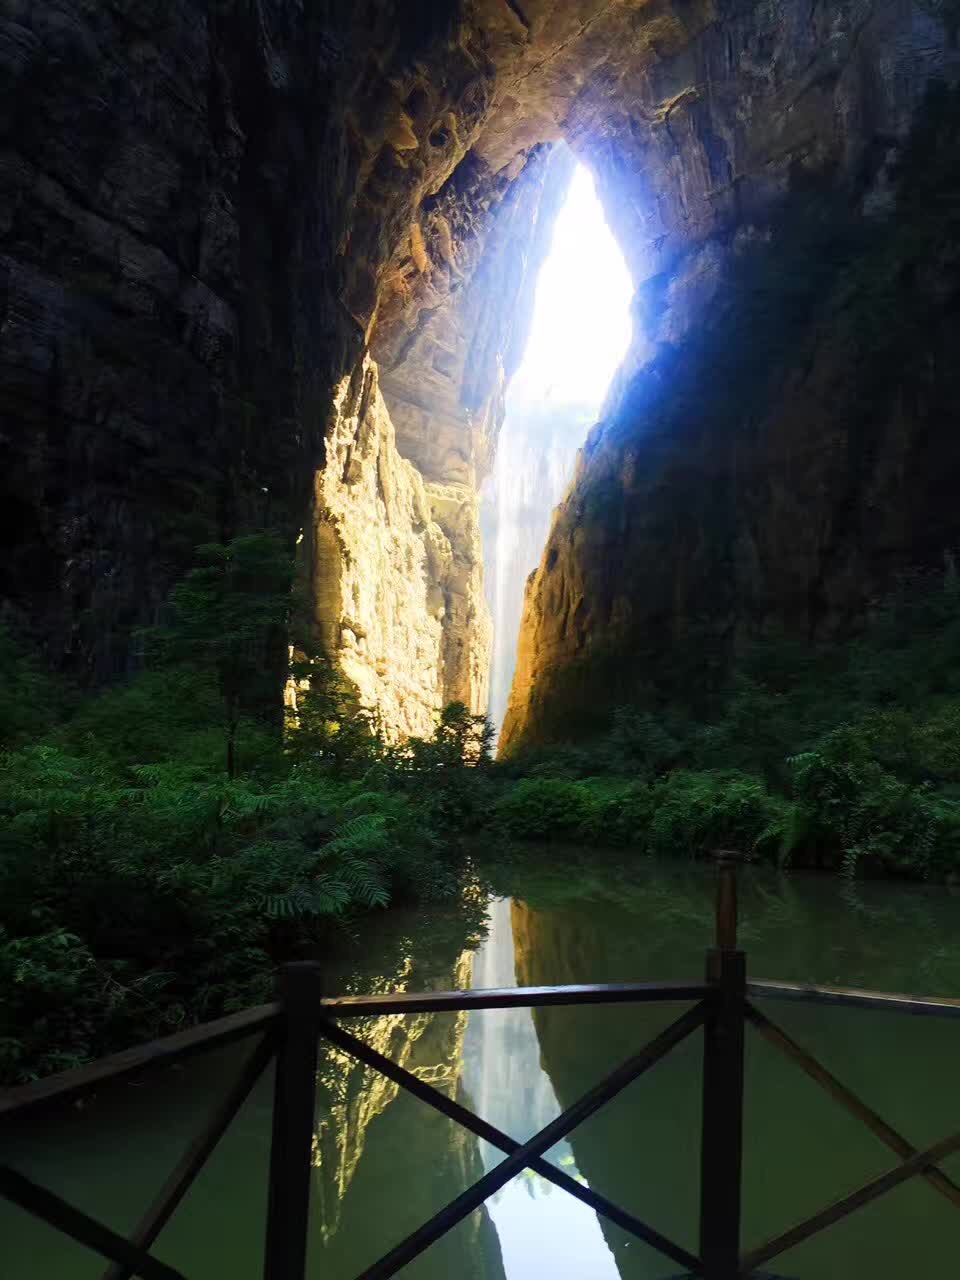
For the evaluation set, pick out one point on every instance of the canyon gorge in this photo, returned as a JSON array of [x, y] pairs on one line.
[[266, 264]]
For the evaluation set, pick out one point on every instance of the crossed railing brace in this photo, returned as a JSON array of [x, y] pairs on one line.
[[293, 1028]]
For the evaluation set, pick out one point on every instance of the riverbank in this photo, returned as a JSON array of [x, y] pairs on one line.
[[162, 852]]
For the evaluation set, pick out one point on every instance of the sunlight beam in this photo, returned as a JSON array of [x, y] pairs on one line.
[[581, 322], [580, 331]]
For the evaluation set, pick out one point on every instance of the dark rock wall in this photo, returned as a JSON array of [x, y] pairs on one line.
[[776, 451], [171, 181], [197, 203]]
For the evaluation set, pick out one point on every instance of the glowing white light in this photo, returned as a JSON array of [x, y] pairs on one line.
[[581, 322], [580, 333]]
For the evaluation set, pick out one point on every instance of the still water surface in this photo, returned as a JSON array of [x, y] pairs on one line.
[[384, 1162]]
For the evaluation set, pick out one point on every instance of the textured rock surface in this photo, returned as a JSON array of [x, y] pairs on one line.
[[395, 568], [210, 215], [773, 453], [203, 214], [533, 471]]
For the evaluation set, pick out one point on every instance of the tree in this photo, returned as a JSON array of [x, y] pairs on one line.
[[329, 725], [229, 616], [463, 738]]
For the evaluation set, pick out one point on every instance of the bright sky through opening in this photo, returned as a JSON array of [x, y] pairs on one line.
[[581, 322]]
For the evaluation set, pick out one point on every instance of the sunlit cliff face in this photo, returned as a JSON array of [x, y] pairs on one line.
[[396, 563], [491, 353]]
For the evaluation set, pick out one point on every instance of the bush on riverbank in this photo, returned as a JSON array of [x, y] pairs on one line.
[[845, 759], [163, 847]]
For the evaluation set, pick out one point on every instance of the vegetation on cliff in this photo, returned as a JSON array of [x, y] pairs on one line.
[[846, 758], [163, 846]]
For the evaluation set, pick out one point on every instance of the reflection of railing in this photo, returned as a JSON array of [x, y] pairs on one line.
[[290, 1030]]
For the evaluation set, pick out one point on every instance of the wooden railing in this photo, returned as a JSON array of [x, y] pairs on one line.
[[290, 1031]]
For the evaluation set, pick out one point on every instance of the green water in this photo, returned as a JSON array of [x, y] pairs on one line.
[[384, 1162]]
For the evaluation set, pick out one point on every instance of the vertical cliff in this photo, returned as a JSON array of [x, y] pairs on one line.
[[774, 451], [197, 209], [396, 556], [206, 218], [395, 570], [533, 471]]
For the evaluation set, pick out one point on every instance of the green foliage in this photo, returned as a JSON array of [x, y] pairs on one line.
[[29, 696], [695, 813], [684, 814], [229, 618], [856, 809], [327, 726], [846, 758], [642, 741], [446, 775], [142, 885], [461, 740], [536, 808]]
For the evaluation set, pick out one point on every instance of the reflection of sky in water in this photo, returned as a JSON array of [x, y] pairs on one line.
[[542, 1230]]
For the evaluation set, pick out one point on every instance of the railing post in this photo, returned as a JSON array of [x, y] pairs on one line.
[[294, 1108], [721, 1149]]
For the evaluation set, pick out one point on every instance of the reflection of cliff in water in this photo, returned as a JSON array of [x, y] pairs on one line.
[[501, 1047], [385, 1161], [643, 1157], [542, 1231]]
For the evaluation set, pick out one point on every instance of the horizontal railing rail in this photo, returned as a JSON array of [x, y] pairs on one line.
[[68, 1086], [513, 998], [852, 998], [290, 1031]]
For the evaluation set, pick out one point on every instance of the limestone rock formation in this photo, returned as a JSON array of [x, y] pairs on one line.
[[395, 568], [213, 216], [534, 467], [772, 454]]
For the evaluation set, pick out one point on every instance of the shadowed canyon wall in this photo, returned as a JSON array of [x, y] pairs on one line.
[[207, 216], [267, 264], [774, 453]]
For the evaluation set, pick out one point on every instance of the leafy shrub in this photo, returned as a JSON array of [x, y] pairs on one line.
[[162, 848], [867, 817], [543, 808], [641, 741], [695, 813], [30, 697], [618, 814]]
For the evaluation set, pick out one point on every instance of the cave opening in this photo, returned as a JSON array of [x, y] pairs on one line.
[[580, 331]]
